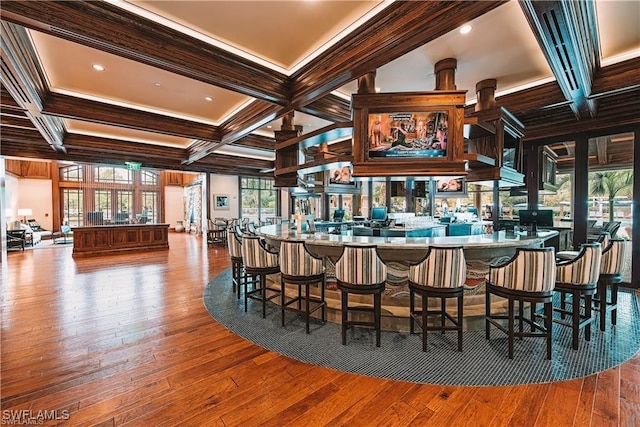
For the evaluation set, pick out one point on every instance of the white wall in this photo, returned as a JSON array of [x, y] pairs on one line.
[[225, 185], [11, 195], [173, 205], [36, 194]]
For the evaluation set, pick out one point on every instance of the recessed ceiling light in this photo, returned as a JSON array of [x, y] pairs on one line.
[[98, 67], [208, 98], [156, 84], [377, 90], [465, 29], [269, 126]]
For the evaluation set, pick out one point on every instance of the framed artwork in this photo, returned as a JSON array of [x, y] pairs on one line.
[[221, 202]]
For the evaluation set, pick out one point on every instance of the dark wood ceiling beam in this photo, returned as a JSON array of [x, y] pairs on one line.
[[620, 111], [255, 115], [256, 141], [617, 78], [331, 107], [106, 27], [567, 35], [19, 121], [400, 29], [23, 79], [71, 107]]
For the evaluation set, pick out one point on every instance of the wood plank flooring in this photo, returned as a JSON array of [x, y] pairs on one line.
[[126, 340]]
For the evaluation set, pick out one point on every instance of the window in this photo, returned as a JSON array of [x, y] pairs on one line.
[[72, 173], [72, 203], [259, 199], [114, 174], [102, 200], [148, 178], [150, 206]]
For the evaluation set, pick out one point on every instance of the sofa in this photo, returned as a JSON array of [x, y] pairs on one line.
[[31, 236]]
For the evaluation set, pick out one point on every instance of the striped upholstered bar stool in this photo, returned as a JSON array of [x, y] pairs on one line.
[[238, 274], [613, 260], [528, 277], [360, 271], [579, 278], [440, 274], [303, 269], [259, 262]]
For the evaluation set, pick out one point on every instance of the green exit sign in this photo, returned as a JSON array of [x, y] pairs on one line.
[[133, 165]]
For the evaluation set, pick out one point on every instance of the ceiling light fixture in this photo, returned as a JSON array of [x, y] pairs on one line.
[[465, 29], [208, 98], [156, 84], [98, 67]]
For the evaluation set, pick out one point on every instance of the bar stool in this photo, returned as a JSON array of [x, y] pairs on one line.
[[359, 270], [260, 262], [238, 274], [217, 233], [579, 277], [528, 277], [440, 274], [613, 260], [603, 239], [299, 267]]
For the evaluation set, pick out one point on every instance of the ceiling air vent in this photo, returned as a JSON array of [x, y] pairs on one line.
[[556, 30]]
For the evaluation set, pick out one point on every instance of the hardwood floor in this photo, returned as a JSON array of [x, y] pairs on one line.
[[126, 340]]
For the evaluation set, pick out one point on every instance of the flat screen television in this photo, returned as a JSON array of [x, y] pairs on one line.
[[338, 215], [379, 213], [451, 187], [536, 218], [409, 134]]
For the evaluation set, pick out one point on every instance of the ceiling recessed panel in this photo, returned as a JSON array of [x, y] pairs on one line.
[[69, 69], [124, 134], [619, 26], [500, 46], [280, 32]]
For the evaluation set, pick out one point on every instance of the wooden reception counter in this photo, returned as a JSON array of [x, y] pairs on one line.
[[115, 239]]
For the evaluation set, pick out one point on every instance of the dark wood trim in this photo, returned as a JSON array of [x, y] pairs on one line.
[[70, 107]]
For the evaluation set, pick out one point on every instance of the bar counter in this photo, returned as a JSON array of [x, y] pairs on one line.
[[399, 252]]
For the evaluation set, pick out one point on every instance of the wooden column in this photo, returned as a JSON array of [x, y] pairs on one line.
[[581, 191], [635, 233], [367, 83], [445, 70], [486, 94]]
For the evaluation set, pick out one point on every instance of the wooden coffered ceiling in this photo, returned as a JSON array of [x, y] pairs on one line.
[[562, 67]]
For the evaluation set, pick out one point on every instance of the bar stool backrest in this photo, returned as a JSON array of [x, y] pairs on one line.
[[296, 260], [360, 265], [440, 268], [583, 269], [530, 270], [256, 255], [234, 242], [614, 256]]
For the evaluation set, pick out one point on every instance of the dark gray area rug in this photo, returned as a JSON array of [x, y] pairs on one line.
[[400, 357]]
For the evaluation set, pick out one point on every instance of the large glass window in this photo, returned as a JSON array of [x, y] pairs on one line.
[[72, 207], [259, 199], [114, 174], [109, 194]]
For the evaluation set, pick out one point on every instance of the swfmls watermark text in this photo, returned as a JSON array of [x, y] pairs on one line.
[[31, 417]]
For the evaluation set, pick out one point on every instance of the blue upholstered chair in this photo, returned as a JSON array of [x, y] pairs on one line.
[[613, 259], [528, 277], [259, 262], [301, 268], [579, 278], [440, 274], [359, 270]]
